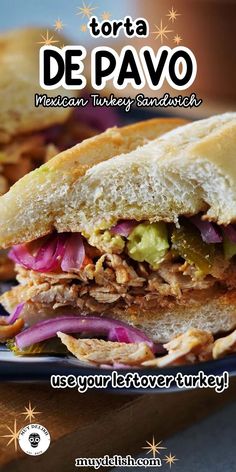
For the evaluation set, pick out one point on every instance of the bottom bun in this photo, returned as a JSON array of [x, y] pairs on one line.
[[217, 315]]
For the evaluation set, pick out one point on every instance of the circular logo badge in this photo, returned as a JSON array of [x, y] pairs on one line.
[[34, 439]]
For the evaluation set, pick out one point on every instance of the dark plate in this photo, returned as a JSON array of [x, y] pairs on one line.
[[41, 368]]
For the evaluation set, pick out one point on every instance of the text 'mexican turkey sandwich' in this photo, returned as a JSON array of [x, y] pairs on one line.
[[124, 247]]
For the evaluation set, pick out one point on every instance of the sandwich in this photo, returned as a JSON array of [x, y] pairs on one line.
[[30, 135], [124, 246]]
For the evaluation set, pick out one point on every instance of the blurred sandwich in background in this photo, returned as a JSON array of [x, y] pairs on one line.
[[29, 135]]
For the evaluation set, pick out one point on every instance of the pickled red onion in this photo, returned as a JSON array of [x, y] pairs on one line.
[[209, 231], [93, 325], [124, 227]]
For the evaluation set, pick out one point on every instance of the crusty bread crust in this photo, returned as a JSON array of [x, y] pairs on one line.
[[19, 81], [36, 204], [112, 176]]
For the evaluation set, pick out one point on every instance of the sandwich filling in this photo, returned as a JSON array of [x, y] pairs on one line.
[[133, 266]]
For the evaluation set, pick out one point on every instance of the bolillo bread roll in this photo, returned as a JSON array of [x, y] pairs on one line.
[[19, 82], [132, 173], [186, 171], [40, 201]]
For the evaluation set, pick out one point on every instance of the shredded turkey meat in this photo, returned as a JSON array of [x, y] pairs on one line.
[[99, 352], [115, 280], [187, 348], [224, 346]]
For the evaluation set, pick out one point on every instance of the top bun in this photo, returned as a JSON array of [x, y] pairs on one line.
[[113, 176], [19, 81], [50, 197]]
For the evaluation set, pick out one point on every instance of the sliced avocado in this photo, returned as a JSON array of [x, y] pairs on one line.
[[148, 242], [229, 248]]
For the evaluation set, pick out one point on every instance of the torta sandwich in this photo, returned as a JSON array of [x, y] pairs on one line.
[[127, 241]]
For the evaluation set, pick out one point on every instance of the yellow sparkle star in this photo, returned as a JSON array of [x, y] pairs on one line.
[[47, 40], [83, 28], [13, 437], [58, 25], [161, 31], [30, 413], [177, 39], [153, 447], [173, 15], [170, 460], [86, 10], [106, 15]]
